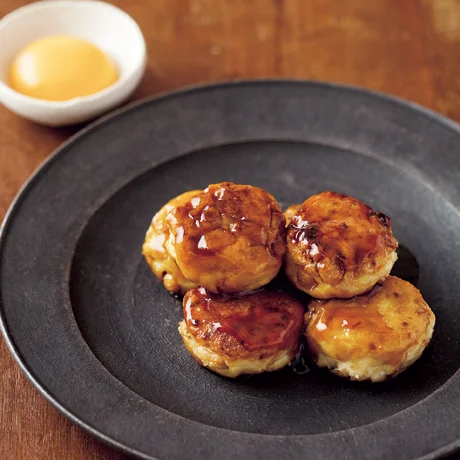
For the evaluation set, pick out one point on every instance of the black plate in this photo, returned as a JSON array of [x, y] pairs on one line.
[[97, 334]]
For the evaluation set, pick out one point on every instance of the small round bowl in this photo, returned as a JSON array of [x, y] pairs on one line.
[[104, 25]]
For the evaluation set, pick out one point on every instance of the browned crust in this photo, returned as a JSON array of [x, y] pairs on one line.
[[154, 249], [229, 238], [291, 211], [383, 325], [269, 309], [332, 235]]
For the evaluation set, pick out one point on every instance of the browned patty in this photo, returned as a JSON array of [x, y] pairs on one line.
[[230, 238], [246, 334], [373, 336], [338, 247]]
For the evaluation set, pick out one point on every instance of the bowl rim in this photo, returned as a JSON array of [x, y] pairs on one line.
[[98, 97]]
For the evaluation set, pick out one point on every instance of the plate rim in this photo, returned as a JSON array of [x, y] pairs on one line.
[[108, 118]]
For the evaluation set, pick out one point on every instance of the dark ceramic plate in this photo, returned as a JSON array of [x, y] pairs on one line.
[[97, 334]]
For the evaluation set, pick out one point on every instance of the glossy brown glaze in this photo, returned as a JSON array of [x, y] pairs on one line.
[[334, 321], [341, 228], [290, 212], [230, 238], [384, 325], [337, 246], [264, 321]]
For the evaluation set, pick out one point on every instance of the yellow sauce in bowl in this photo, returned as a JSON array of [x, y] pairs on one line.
[[60, 67]]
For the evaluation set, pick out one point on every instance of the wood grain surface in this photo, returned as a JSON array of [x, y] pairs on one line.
[[410, 48]]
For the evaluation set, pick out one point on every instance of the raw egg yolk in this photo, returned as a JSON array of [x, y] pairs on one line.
[[59, 68]]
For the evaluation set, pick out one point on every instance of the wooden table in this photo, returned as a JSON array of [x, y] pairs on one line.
[[410, 48]]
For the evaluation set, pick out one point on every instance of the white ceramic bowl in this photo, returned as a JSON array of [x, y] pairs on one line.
[[106, 26]]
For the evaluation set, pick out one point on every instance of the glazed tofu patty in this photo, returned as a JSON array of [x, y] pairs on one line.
[[370, 337], [228, 239], [248, 334], [338, 247]]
